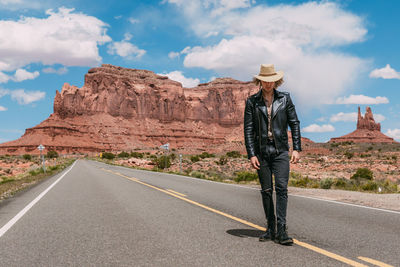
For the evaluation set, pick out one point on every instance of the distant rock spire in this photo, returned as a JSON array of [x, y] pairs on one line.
[[367, 122]]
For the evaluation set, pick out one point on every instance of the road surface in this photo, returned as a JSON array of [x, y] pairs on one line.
[[94, 214]]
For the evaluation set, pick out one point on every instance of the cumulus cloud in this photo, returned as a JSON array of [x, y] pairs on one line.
[[22, 97], [3, 108], [179, 77], [133, 20], [63, 37], [394, 133], [61, 70], [125, 49], [4, 77], [386, 73], [344, 117], [341, 116], [22, 75], [362, 100], [173, 55], [299, 39], [315, 128]]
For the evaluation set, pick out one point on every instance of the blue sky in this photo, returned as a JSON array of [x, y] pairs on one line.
[[336, 55]]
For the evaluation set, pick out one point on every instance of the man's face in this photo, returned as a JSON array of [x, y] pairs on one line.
[[267, 86]]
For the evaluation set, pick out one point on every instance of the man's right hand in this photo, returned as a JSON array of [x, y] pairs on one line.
[[255, 163]]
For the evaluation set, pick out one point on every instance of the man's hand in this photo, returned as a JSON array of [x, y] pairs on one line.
[[295, 157], [255, 163]]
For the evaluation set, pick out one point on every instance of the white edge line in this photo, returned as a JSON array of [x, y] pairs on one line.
[[252, 188], [348, 204], [8, 225]]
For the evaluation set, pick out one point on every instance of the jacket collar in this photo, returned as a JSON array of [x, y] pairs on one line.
[[276, 104]]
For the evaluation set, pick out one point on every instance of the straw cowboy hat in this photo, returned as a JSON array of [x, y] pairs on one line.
[[268, 73]]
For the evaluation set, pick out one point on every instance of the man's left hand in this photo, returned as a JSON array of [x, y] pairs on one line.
[[295, 157]]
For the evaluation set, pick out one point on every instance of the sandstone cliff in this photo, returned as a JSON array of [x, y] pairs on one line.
[[124, 109]]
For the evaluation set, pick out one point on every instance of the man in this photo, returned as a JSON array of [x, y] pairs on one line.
[[266, 118]]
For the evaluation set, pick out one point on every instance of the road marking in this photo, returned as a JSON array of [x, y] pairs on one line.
[[375, 262], [183, 195], [302, 244], [253, 188], [348, 204], [8, 225]]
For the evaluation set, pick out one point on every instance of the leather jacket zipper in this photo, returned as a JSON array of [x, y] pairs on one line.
[[272, 130]]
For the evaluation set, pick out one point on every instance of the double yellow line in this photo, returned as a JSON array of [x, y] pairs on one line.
[[297, 242]]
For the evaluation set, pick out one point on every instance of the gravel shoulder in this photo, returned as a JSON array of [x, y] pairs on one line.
[[382, 201]]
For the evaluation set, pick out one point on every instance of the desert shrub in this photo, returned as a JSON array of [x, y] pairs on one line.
[[233, 154], [197, 174], [394, 157], [301, 182], [326, 183], [27, 157], [195, 158], [370, 148], [36, 172], [340, 183], [206, 155], [349, 154], [136, 154], [334, 144], [52, 154], [162, 162], [6, 180], [107, 155], [370, 186], [245, 176], [365, 155], [172, 156], [222, 160], [363, 173], [52, 168], [123, 154]]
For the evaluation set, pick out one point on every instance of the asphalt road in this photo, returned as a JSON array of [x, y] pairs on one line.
[[102, 215]]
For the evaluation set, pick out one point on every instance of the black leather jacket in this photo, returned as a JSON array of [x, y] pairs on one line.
[[256, 121]]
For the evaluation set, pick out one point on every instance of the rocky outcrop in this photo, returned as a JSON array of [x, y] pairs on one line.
[[368, 131], [125, 109]]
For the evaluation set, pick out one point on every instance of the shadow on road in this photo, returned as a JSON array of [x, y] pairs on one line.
[[245, 232]]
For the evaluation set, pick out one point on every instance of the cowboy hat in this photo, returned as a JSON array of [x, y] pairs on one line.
[[268, 73]]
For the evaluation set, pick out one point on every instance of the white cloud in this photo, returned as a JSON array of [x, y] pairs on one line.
[[315, 128], [61, 70], [125, 49], [362, 100], [179, 77], [386, 73], [22, 75], [4, 77], [173, 55], [321, 119], [395, 133], [63, 37], [3, 108], [353, 117], [299, 39], [24, 98], [133, 20], [344, 117]]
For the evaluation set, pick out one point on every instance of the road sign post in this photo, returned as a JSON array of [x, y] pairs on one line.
[[41, 148]]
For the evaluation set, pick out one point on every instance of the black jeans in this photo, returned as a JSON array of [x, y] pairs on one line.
[[278, 165]]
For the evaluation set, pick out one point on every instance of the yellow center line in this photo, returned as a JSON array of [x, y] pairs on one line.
[[375, 262], [170, 190], [302, 244]]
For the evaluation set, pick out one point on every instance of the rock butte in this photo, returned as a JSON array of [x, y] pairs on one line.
[[368, 131], [120, 109]]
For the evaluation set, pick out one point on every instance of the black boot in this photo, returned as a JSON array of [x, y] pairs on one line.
[[269, 234], [282, 236]]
